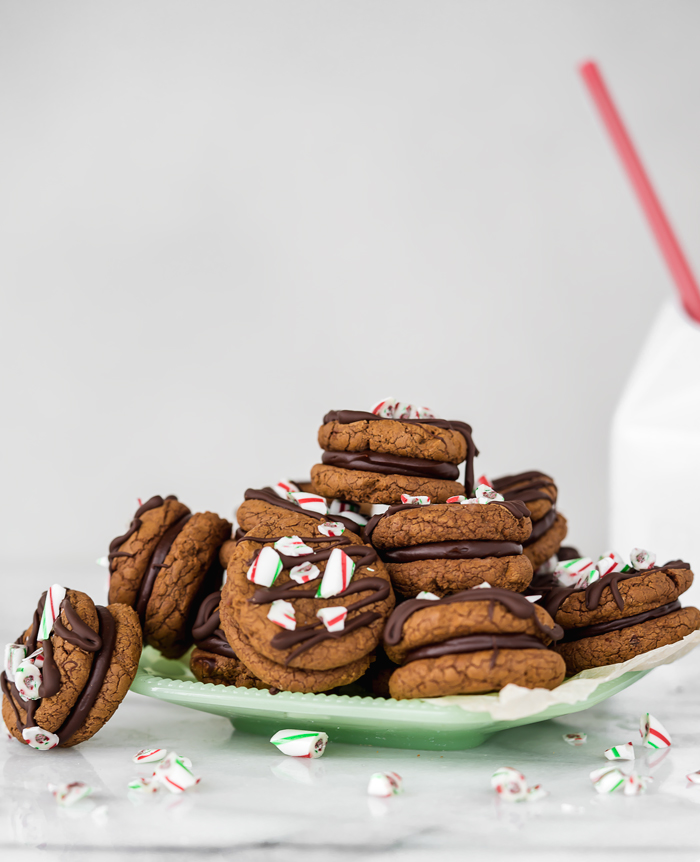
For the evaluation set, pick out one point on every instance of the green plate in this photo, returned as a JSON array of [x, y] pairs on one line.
[[345, 718]]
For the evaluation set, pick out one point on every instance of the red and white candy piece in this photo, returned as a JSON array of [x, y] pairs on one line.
[[149, 755], [610, 562], [284, 489], [484, 585], [641, 559], [282, 614], [693, 777], [301, 743], [620, 752], [549, 566], [577, 573], [292, 546], [28, 679], [509, 784], [653, 733], [266, 567], [608, 779], [304, 572], [42, 740], [331, 529], [312, 502], [359, 519], [340, 507], [175, 773], [337, 575], [482, 480], [52, 608], [486, 494], [407, 499], [333, 618], [385, 784], [14, 656], [536, 792], [385, 408], [69, 794], [575, 738], [423, 594], [459, 498], [143, 785], [636, 784]]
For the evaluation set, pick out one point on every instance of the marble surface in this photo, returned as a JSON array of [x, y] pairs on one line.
[[254, 803]]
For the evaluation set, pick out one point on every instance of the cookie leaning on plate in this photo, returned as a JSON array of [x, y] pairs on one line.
[[75, 664], [303, 613], [471, 642], [371, 458], [539, 493], [621, 615], [163, 567], [448, 547]]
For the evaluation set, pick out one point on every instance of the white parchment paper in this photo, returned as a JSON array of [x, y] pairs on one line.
[[514, 701]]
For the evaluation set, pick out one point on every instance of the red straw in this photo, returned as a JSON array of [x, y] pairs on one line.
[[670, 248]]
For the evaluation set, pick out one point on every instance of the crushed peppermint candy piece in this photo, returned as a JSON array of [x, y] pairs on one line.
[[311, 502], [578, 573], [608, 779], [385, 784], [341, 507], [509, 784], [407, 499], [609, 563], [284, 489], [69, 794], [292, 546], [304, 572], [282, 614], [266, 567], [384, 408], [14, 656], [636, 784], [149, 755], [482, 480], [337, 574], [459, 498], [28, 679], [549, 566], [484, 585], [333, 618], [653, 733], [301, 743], [641, 559], [175, 773], [40, 739], [620, 752], [143, 785], [52, 608], [428, 596], [575, 738], [331, 529], [486, 494], [693, 777]]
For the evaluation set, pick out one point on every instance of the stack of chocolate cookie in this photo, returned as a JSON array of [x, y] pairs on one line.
[[539, 493], [617, 611]]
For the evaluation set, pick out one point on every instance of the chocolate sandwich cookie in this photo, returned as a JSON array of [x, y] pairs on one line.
[[303, 613], [371, 459], [469, 643], [621, 615], [164, 565], [539, 493], [75, 664], [448, 547], [213, 659], [263, 507]]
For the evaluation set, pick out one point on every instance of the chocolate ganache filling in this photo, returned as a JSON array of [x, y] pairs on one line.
[[539, 528], [617, 625], [466, 550], [379, 462], [207, 632], [475, 643], [347, 417], [267, 495], [513, 602]]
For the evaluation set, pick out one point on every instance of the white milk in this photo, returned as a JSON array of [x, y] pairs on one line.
[[655, 448]]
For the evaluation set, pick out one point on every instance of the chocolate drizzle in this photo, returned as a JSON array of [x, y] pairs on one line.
[[465, 550], [517, 508], [539, 528], [556, 597], [157, 563], [80, 634], [475, 643], [379, 462], [115, 544], [513, 602], [366, 554], [267, 495], [206, 630], [347, 417], [617, 625], [524, 486]]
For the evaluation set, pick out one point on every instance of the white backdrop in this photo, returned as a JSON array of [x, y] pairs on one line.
[[219, 220]]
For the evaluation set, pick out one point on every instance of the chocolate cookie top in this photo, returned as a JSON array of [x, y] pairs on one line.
[[420, 622], [415, 524], [259, 501], [368, 435], [618, 595], [535, 489], [297, 586]]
